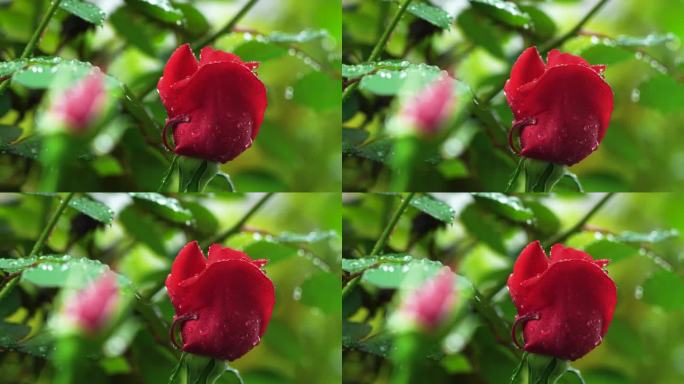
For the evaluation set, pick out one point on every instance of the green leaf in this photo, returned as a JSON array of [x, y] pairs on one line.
[[311, 237], [504, 11], [143, 228], [318, 90], [194, 21], [9, 133], [271, 251], [59, 271], [95, 209], [654, 236], [205, 221], [509, 207], [134, 30], [543, 26], [645, 41], [353, 332], [389, 275], [610, 249], [662, 92], [358, 265], [323, 291], [483, 227], [545, 221], [259, 51], [664, 289], [162, 10], [606, 54], [11, 334], [359, 70], [168, 207], [480, 31], [40, 72], [352, 138], [300, 37], [85, 10], [387, 82], [433, 207], [432, 14]]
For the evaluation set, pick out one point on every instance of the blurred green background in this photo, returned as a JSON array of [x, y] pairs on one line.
[[299, 234], [297, 42], [641, 43], [640, 233]]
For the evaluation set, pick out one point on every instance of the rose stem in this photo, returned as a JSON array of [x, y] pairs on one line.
[[238, 226], [580, 224], [28, 50], [227, 28], [380, 45], [380, 244]]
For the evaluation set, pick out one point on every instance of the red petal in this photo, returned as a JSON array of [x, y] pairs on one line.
[[181, 64], [217, 253], [209, 55], [189, 262], [531, 262], [560, 253], [233, 301], [575, 301], [526, 69], [557, 58], [225, 103], [571, 105]]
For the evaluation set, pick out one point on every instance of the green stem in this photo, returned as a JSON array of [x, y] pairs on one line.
[[568, 35], [50, 226], [518, 369], [238, 226], [380, 244], [227, 28], [514, 177], [580, 224], [39, 243], [380, 45], [28, 50], [177, 369], [167, 176]]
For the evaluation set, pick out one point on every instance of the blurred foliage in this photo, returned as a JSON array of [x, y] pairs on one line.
[[477, 42], [138, 236], [297, 42], [639, 233]]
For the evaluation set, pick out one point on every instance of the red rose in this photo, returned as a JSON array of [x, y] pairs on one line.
[[223, 304], [565, 303], [563, 107], [216, 105]]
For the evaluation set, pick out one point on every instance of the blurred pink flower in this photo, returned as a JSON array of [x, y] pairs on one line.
[[81, 104], [92, 308], [431, 303], [428, 110]]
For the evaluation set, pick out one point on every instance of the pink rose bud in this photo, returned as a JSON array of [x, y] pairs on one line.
[[431, 303], [79, 106], [428, 110], [92, 308]]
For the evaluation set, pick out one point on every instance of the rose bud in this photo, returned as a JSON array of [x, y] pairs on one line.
[[432, 303], [215, 105], [81, 105], [92, 308], [565, 303], [562, 108], [223, 304], [431, 107]]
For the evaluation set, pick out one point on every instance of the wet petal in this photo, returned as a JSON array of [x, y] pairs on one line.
[[526, 69], [181, 64], [531, 262], [189, 262], [571, 105], [225, 103], [575, 301], [233, 301]]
